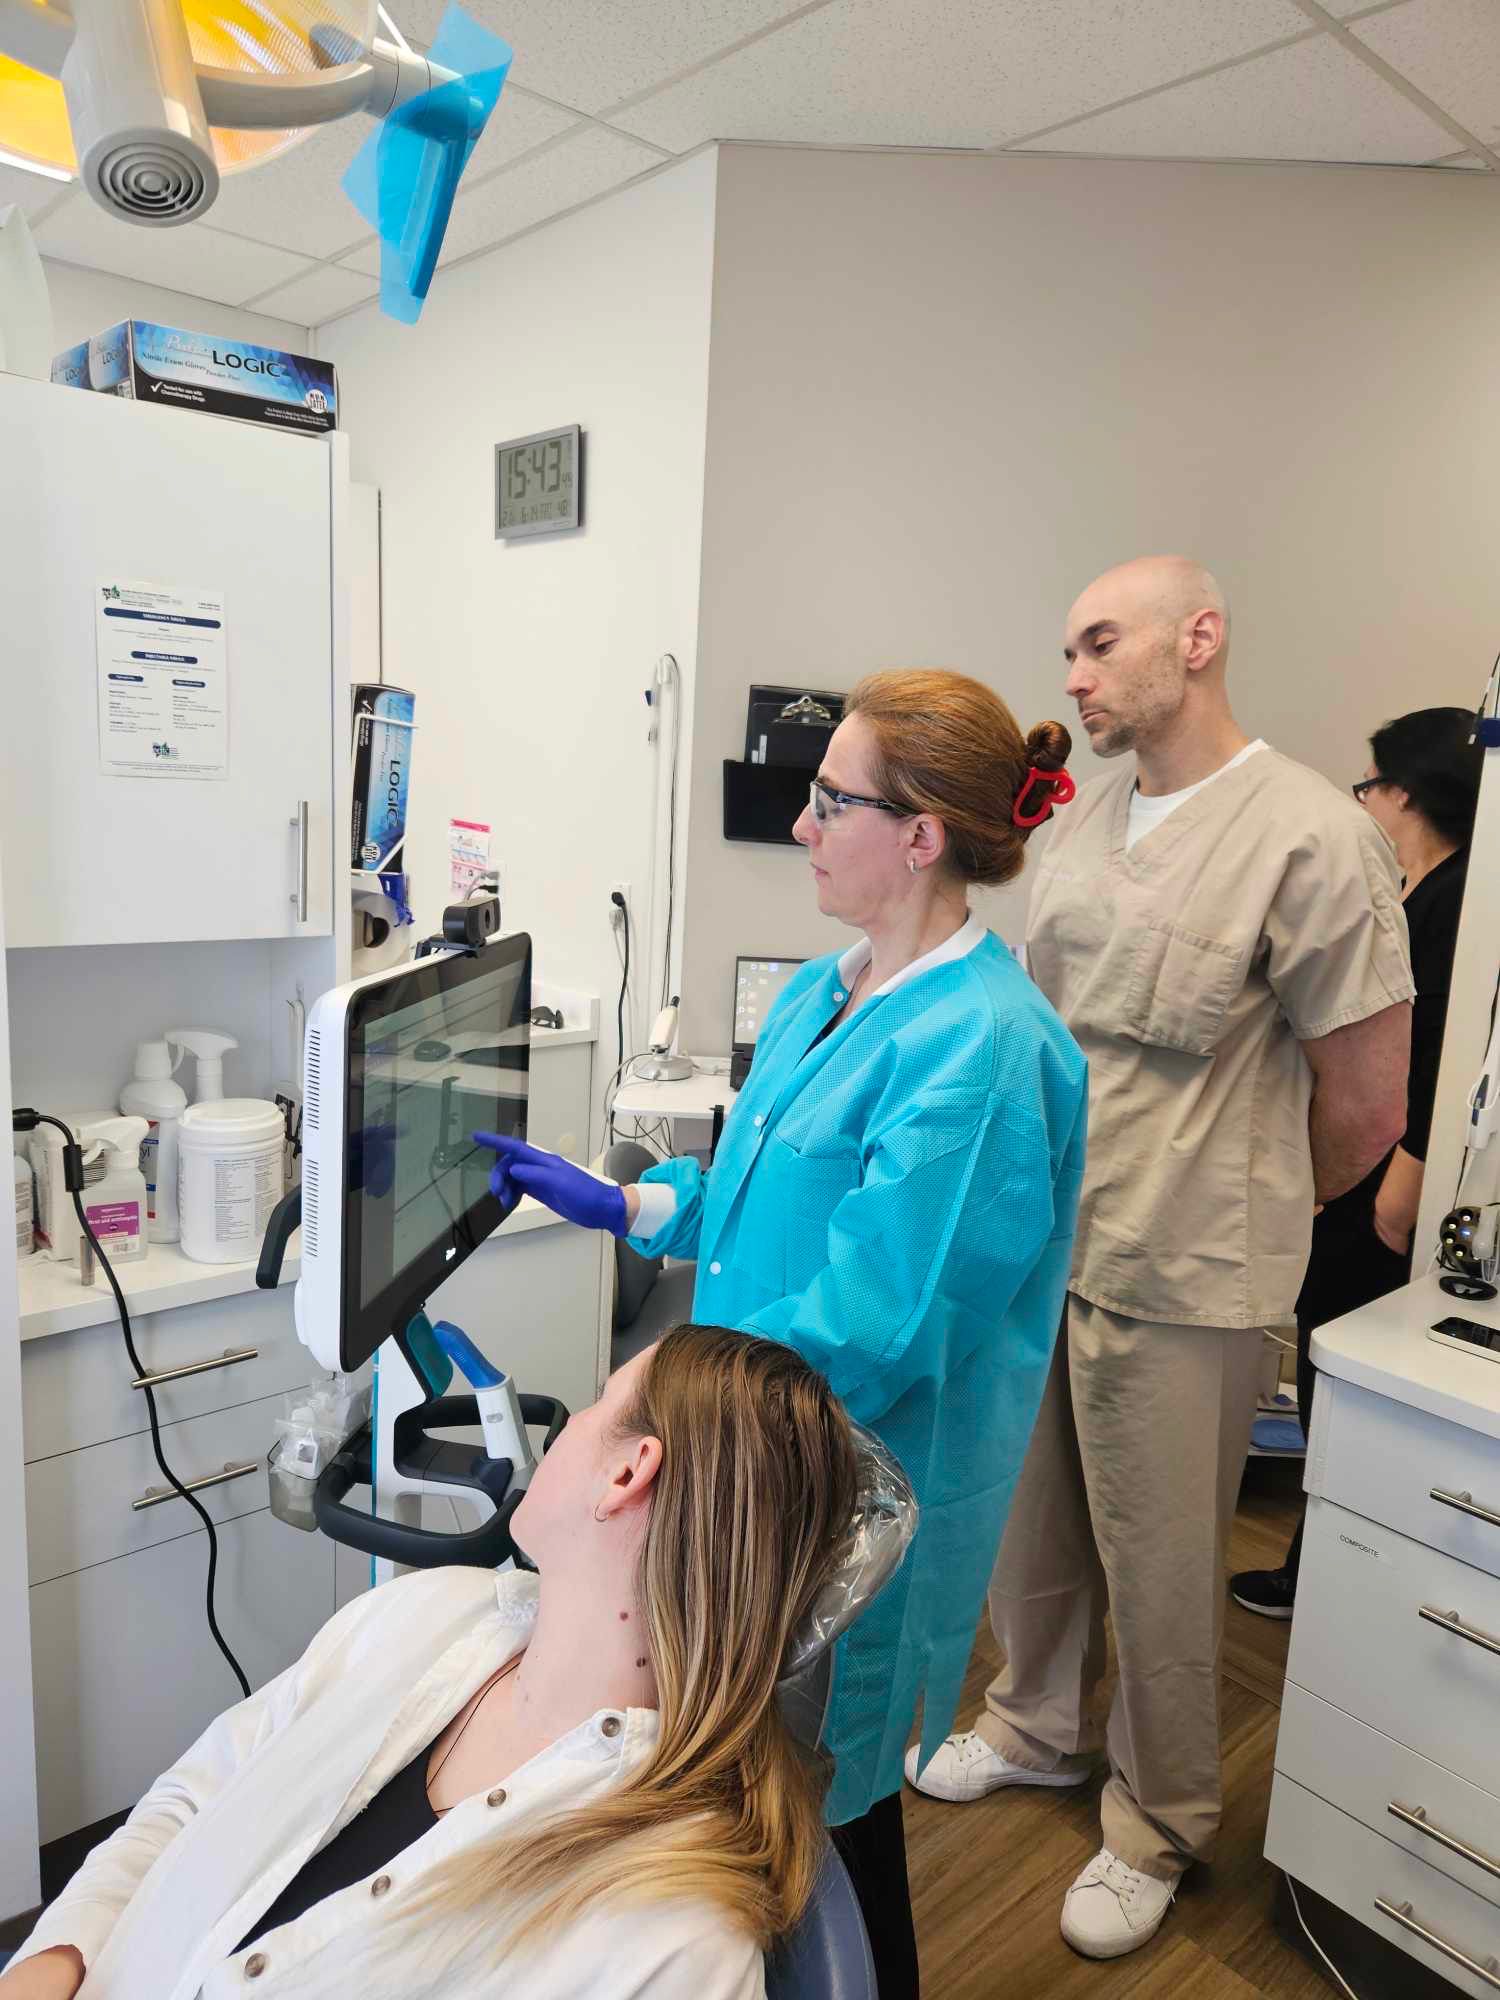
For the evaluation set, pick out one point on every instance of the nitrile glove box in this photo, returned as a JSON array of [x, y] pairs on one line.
[[202, 371]]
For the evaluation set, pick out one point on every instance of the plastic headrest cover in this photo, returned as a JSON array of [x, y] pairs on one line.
[[885, 1519]]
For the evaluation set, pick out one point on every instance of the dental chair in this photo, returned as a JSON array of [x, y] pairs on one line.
[[827, 1957], [650, 1295]]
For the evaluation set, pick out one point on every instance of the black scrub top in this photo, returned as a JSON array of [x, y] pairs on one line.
[[1348, 1258]]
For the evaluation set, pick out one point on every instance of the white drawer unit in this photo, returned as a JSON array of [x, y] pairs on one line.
[[77, 1387], [127, 1673], [1386, 1799], [86, 1507], [1432, 1480]]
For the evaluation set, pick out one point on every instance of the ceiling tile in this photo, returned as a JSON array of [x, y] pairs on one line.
[[192, 258], [591, 53], [1450, 49], [1312, 102], [318, 295], [296, 202], [31, 193], [587, 164], [952, 72], [1469, 161]]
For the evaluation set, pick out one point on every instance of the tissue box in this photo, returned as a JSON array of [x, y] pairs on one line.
[[201, 371]]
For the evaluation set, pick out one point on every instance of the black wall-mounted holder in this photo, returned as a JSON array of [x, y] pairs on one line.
[[763, 801]]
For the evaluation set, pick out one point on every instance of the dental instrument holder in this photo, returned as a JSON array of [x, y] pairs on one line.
[[397, 1456]]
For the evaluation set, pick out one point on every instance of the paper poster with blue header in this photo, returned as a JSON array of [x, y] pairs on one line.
[[163, 676], [170, 366]]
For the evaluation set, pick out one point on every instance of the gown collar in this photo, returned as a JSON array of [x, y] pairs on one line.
[[968, 937]]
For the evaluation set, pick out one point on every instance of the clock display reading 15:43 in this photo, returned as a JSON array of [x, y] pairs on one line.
[[539, 483]]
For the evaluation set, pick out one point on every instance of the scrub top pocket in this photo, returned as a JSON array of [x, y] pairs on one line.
[[1181, 987]]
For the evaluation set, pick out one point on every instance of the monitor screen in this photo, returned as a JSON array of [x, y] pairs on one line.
[[433, 1057], [757, 983]]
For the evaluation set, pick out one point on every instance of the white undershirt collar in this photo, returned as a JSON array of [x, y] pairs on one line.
[[965, 939]]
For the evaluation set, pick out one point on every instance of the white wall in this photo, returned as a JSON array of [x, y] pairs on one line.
[[947, 391], [86, 302], [528, 659]]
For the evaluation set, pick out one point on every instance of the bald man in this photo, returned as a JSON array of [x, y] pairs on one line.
[[1222, 932]]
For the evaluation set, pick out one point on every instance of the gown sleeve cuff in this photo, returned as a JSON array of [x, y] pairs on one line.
[[658, 1201]]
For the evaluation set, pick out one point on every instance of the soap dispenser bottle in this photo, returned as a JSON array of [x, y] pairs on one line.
[[151, 1094], [116, 1206]]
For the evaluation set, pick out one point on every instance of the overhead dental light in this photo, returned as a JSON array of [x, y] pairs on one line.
[[150, 102]]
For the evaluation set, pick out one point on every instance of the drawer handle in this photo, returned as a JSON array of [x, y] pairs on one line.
[[1416, 1818], [225, 1360], [1451, 1622], [1466, 1504], [155, 1495], [1401, 1913]]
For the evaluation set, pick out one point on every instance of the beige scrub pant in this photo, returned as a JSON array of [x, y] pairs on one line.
[[1125, 1500]]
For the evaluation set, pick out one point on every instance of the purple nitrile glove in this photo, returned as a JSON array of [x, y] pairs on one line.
[[555, 1182]]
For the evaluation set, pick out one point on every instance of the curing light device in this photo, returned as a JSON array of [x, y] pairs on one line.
[[151, 101]]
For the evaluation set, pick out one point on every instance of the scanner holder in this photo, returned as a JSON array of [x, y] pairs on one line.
[[397, 1456]]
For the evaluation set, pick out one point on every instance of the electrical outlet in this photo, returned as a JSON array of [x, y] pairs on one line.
[[616, 914]]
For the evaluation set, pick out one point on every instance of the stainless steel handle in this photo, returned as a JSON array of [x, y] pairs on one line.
[[1466, 1504], [1451, 1622], [225, 1360], [1401, 1913], [299, 894], [155, 1495], [1416, 1818]]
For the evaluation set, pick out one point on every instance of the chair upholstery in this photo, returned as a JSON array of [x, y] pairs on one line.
[[648, 1298], [827, 1957]]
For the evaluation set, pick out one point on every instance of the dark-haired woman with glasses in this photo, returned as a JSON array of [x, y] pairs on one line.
[[1422, 786]]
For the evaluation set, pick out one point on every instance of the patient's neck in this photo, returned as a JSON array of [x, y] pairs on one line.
[[588, 1652]]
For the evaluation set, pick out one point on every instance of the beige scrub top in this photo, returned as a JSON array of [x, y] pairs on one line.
[[1262, 913]]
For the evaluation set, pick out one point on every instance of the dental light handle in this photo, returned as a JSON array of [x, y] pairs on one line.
[[498, 1399]]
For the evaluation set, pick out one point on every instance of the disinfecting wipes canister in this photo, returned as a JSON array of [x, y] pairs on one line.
[[229, 1176]]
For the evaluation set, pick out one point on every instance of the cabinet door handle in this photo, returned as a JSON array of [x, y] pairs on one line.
[[1401, 1913], [1466, 1504], [1451, 1622], [299, 894], [155, 1495], [1416, 1818], [225, 1360]]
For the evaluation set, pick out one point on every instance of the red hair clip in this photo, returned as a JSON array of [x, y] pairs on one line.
[[1063, 790]]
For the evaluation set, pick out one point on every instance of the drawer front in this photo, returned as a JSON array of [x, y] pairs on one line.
[[79, 1506], [126, 1674], [1357, 1869], [1441, 1819], [75, 1387], [1360, 1642], [1387, 1461]]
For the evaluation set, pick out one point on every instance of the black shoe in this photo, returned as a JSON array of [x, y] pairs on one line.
[[1269, 1592]]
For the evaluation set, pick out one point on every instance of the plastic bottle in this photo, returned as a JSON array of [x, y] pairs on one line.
[[153, 1095], [116, 1206], [25, 1218], [210, 1049]]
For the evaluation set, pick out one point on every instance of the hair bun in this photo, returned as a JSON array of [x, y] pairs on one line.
[[1048, 746]]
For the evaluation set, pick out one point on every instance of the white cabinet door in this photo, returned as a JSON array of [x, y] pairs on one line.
[[126, 1673], [94, 490]]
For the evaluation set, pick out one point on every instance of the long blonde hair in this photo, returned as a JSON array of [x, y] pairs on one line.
[[752, 1506]]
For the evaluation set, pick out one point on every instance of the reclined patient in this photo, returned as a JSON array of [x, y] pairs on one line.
[[479, 1783]]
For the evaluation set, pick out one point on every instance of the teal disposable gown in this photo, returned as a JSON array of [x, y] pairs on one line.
[[898, 1203]]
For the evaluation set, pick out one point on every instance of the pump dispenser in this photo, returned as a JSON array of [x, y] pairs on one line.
[[210, 1049], [116, 1206], [151, 1094]]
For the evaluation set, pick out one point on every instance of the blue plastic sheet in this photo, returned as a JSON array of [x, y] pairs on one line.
[[405, 176]]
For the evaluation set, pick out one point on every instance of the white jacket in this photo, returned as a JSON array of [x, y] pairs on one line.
[[158, 1909]]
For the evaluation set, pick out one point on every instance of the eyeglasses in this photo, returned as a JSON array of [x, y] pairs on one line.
[[828, 804], [1365, 785]]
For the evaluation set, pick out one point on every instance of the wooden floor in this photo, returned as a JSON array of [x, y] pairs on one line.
[[988, 1879]]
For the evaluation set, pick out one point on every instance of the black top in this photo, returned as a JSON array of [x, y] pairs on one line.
[[397, 1815], [1432, 913]]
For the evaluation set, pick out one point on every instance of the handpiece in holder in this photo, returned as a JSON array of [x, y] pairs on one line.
[[661, 1066], [499, 1405]]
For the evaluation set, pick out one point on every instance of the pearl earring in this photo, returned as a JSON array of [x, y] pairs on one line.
[[911, 863]]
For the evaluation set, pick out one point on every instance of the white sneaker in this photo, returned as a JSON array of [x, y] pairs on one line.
[[1112, 1909], [964, 1767]]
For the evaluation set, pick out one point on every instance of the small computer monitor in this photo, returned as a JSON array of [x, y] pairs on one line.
[[757, 985], [402, 1069]]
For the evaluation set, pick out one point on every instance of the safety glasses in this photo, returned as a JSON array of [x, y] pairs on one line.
[[828, 804], [1365, 785]]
